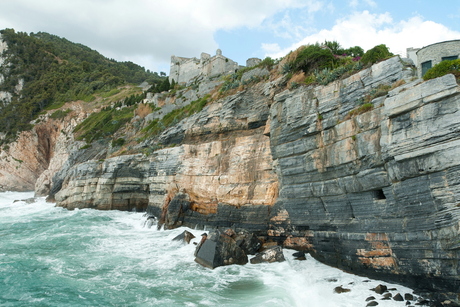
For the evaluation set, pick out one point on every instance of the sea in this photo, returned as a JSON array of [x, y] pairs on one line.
[[51, 256]]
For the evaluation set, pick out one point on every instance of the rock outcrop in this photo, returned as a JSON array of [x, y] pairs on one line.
[[31, 161], [272, 254], [361, 173], [219, 249], [376, 193], [222, 175]]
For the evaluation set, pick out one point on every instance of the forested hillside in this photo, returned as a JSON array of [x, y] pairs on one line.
[[54, 71]]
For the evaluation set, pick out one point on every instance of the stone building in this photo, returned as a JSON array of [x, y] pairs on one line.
[[433, 54], [184, 70]]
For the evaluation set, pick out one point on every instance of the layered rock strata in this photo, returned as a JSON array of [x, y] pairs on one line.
[[375, 193], [368, 187], [221, 175], [31, 161]]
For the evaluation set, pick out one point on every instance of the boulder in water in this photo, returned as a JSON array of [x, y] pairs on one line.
[[341, 289], [185, 237], [219, 249], [300, 255], [248, 242], [27, 201], [272, 254], [398, 297], [380, 289]]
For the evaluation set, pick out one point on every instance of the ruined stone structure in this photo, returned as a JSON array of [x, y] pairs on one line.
[[433, 54], [185, 69]]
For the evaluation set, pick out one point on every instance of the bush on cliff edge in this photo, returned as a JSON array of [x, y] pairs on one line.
[[378, 53], [444, 68]]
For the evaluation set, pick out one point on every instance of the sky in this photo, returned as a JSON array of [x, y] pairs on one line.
[[149, 32]]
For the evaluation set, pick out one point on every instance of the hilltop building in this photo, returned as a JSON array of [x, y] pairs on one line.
[[428, 56], [183, 70]]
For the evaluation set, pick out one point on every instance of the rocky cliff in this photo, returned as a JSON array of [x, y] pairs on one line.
[[373, 193], [221, 174], [362, 173]]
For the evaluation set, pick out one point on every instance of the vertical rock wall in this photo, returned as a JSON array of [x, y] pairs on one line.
[[221, 175], [375, 193], [372, 190]]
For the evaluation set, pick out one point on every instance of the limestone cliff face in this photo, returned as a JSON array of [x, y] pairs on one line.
[[377, 193], [371, 188], [221, 174], [30, 162]]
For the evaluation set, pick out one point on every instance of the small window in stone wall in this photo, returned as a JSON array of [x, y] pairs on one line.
[[425, 66], [449, 58]]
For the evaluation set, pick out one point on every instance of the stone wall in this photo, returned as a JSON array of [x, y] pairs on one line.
[[436, 52], [183, 70]]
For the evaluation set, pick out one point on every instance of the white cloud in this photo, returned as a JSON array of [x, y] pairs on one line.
[[356, 3], [368, 30], [271, 48], [148, 30], [353, 3], [295, 22]]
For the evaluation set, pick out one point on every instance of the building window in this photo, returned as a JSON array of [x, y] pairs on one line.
[[449, 58], [425, 66]]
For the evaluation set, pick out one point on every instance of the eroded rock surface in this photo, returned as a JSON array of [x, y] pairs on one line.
[[373, 191]]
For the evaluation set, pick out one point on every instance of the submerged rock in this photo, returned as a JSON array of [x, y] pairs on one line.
[[27, 201], [219, 249], [185, 237], [341, 289]]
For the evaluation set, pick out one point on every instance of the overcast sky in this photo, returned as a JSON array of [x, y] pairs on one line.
[[148, 32]]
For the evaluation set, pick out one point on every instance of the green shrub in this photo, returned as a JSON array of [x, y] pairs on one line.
[[159, 125], [312, 58], [310, 79], [326, 76], [378, 53], [379, 91], [444, 68], [268, 63], [103, 124], [56, 71], [118, 142], [360, 110], [60, 114]]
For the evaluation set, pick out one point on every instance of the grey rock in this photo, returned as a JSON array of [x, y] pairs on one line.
[[398, 297], [380, 289], [341, 289], [273, 254], [408, 297], [254, 74], [219, 250], [248, 242]]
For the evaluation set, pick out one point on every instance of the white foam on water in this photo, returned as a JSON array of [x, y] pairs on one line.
[[110, 258]]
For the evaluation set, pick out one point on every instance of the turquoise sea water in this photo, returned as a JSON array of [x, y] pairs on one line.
[[54, 257]]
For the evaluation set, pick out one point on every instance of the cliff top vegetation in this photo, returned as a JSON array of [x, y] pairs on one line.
[[54, 71]]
